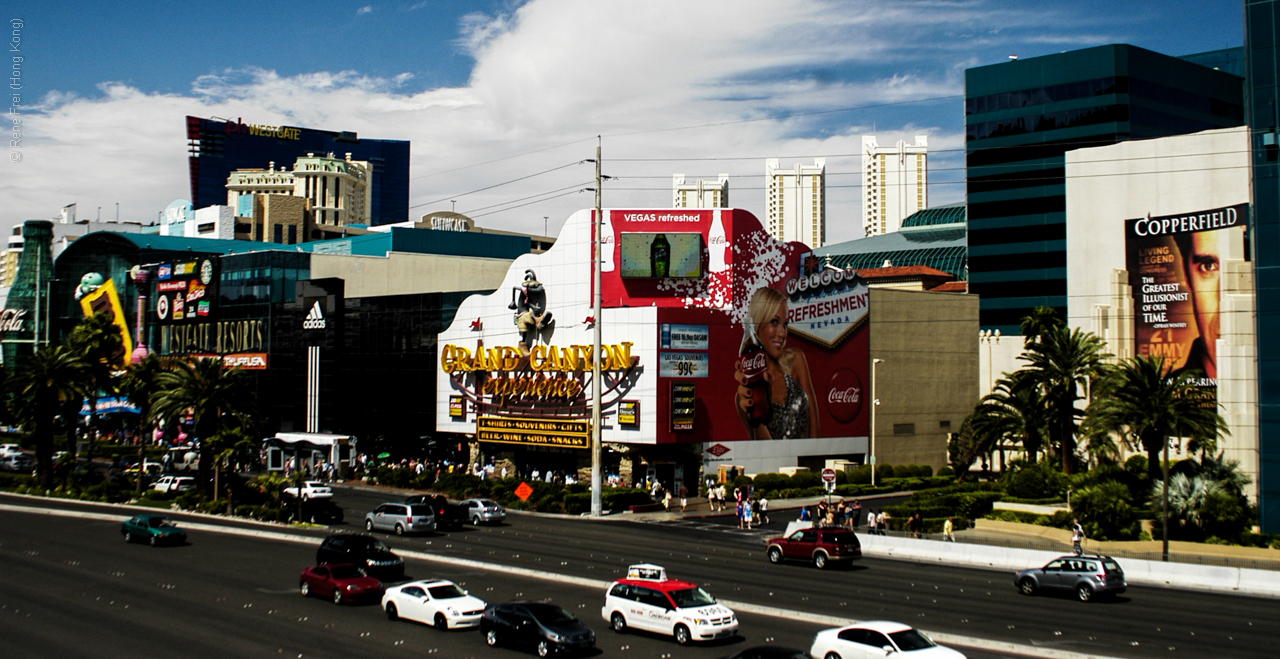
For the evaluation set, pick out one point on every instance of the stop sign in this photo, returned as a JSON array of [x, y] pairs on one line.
[[829, 475]]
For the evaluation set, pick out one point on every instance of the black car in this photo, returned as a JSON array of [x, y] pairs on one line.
[[321, 511], [769, 652], [448, 515], [364, 551], [544, 627]]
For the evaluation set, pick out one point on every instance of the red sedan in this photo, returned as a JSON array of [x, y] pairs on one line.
[[342, 582]]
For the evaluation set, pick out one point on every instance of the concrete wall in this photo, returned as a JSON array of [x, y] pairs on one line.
[[929, 376], [403, 274]]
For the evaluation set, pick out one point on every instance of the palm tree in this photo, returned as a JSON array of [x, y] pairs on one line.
[[141, 384], [44, 385], [215, 397], [1061, 361], [1144, 404], [1039, 322], [98, 341], [1014, 411]]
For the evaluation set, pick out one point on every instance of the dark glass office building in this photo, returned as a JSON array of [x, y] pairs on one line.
[[217, 148], [1262, 54], [1022, 116]]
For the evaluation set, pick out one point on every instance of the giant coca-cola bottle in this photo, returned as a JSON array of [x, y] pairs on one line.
[[753, 363]]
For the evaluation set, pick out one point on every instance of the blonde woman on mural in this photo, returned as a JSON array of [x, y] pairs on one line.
[[792, 402]]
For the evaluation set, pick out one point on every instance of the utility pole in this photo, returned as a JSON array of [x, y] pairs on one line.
[[597, 505], [1164, 504], [875, 402]]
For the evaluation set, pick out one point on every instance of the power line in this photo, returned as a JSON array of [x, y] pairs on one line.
[[497, 185]]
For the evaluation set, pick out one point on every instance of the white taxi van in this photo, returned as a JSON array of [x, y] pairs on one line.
[[647, 600]]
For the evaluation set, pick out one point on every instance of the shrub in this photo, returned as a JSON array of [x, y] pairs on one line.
[[741, 482], [772, 482], [1136, 465], [806, 479], [1106, 512], [947, 472], [884, 471], [860, 476], [1037, 481], [1224, 515]]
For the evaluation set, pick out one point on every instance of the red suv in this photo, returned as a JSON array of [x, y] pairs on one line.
[[822, 546]]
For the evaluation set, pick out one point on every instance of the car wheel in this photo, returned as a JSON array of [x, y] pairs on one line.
[[831, 655], [128, 537], [337, 596], [618, 623], [368, 525], [1084, 592], [775, 555], [1027, 586], [491, 637], [442, 623], [305, 589], [475, 520], [392, 613], [544, 649], [820, 560], [154, 541], [399, 530], [682, 635]]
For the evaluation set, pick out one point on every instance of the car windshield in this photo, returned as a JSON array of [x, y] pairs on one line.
[[910, 639], [378, 545], [346, 572], [158, 522], [445, 592], [489, 503], [549, 614], [691, 597], [421, 511]]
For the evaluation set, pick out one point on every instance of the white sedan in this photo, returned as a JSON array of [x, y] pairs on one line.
[[877, 639], [311, 490], [439, 603]]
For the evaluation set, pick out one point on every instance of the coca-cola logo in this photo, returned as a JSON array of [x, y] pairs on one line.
[[845, 396], [753, 363], [11, 320]]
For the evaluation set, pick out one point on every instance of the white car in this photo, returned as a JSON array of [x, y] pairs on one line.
[[311, 490], [174, 484], [877, 638], [483, 511], [439, 603], [9, 450], [649, 601]]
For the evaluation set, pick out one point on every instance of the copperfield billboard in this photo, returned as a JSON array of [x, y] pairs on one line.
[[1175, 264]]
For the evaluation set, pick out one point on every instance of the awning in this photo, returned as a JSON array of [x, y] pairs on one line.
[[313, 438], [110, 405]]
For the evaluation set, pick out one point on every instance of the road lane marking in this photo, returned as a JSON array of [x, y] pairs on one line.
[[1038, 652]]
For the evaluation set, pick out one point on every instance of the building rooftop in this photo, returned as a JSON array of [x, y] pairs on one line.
[[941, 246], [950, 216]]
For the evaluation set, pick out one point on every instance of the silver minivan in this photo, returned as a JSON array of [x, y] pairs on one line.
[[401, 518]]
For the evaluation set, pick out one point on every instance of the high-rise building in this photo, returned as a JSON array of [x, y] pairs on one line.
[[1021, 116], [1262, 20], [218, 148], [895, 183], [339, 191], [11, 257], [796, 202], [702, 194]]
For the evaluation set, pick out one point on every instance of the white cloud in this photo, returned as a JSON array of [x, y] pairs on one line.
[[364, 10], [556, 72]]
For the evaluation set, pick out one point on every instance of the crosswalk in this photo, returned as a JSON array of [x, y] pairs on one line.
[[756, 534]]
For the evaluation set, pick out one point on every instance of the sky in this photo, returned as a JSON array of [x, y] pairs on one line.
[[504, 101]]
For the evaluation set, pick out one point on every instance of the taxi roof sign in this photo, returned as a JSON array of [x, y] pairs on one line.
[[647, 572]]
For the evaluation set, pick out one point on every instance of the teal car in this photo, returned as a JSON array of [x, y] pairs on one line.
[[155, 529]]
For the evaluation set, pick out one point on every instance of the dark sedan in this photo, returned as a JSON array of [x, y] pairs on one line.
[[155, 529], [546, 628]]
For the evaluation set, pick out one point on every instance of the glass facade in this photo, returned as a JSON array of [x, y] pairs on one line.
[[217, 148], [1262, 22], [1022, 116]]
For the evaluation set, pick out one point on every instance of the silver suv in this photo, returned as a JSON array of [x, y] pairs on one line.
[[1087, 576], [401, 518]]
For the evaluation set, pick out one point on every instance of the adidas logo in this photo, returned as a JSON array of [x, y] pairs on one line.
[[314, 319]]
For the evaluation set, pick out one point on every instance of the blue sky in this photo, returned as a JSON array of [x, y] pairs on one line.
[[493, 91]]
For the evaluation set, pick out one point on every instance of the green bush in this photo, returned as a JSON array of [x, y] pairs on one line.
[[884, 471], [947, 472], [1105, 511], [1136, 465], [806, 479], [860, 475], [1038, 481], [1224, 515], [772, 482]]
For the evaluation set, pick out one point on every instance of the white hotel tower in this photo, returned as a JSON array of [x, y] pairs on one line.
[[895, 183], [797, 202]]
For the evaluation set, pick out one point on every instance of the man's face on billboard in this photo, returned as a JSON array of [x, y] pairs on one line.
[[1203, 275]]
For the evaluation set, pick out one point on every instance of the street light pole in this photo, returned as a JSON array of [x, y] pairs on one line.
[[1164, 554], [597, 505], [875, 402]]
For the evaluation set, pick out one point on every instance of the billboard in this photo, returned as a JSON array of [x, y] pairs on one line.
[[104, 299], [1174, 264], [186, 291]]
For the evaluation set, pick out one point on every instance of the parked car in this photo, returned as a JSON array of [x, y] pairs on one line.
[[439, 603], [1087, 576], [822, 546], [172, 484], [649, 601], [401, 518], [448, 515], [322, 511], [19, 462], [7, 450], [310, 490], [155, 529], [340, 582], [876, 639], [545, 627], [361, 550], [184, 458], [483, 511]]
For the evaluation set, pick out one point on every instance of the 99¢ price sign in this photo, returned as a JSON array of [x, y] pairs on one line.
[[683, 365]]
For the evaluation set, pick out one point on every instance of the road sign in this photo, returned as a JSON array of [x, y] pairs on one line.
[[524, 491], [829, 475]]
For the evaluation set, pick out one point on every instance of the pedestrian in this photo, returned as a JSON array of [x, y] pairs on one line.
[[856, 518], [871, 521], [684, 497], [837, 516], [917, 526], [711, 496], [882, 522], [666, 500], [738, 512], [804, 514], [764, 510], [1077, 537], [822, 512], [748, 515], [948, 531]]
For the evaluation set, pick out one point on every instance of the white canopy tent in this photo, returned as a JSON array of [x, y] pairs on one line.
[[306, 445]]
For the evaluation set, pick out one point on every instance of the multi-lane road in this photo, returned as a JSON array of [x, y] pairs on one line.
[[73, 588]]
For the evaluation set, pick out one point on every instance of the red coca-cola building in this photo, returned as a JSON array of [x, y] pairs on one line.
[[686, 293]]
